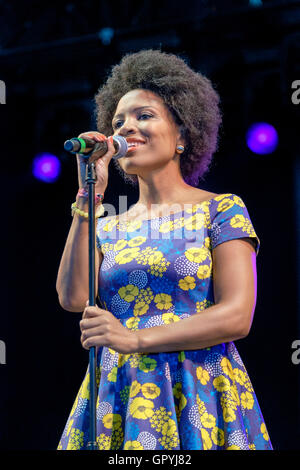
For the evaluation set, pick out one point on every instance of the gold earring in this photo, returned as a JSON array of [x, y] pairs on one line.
[[180, 148]]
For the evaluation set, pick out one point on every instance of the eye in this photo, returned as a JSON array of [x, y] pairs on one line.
[[117, 124], [144, 116]]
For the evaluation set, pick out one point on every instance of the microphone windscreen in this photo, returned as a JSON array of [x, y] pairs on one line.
[[123, 146]]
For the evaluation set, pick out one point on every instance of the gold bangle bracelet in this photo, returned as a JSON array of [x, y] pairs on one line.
[[75, 210]]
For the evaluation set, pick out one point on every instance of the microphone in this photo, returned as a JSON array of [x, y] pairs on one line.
[[86, 147]]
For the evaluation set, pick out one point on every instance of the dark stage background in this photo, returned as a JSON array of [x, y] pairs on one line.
[[53, 58]]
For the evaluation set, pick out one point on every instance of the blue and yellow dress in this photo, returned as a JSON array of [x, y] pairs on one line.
[[155, 272]]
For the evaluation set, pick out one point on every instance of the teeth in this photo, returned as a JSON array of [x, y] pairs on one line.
[[134, 144]]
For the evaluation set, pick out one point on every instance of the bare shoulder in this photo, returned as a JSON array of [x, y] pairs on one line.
[[205, 195], [199, 195]]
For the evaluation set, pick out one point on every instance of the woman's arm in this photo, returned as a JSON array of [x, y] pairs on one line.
[[72, 283], [234, 277], [234, 274]]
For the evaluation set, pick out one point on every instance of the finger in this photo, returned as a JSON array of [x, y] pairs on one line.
[[110, 143], [92, 332], [93, 135], [100, 137], [110, 150], [88, 323], [93, 341], [91, 312]]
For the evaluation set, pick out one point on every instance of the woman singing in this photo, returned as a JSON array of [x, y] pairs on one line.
[[176, 275]]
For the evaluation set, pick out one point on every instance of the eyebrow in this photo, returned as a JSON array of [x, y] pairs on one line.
[[131, 111]]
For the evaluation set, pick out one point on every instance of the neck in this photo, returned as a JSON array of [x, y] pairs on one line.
[[162, 188]]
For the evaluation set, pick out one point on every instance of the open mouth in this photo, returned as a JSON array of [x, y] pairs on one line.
[[134, 144]]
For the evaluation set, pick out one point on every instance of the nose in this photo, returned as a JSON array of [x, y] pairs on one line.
[[128, 127]]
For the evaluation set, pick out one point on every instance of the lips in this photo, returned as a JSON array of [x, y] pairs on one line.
[[133, 144]]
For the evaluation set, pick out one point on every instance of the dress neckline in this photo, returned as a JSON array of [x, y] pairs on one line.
[[173, 213]]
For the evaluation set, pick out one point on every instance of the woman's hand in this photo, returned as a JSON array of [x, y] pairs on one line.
[[101, 164], [100, 328]]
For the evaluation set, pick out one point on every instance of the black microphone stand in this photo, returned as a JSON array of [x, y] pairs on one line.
[[90, 180]]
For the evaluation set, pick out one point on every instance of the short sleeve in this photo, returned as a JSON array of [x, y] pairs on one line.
[[230, 220]]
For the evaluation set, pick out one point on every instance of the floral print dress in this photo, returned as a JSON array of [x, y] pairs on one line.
[[155, 272]]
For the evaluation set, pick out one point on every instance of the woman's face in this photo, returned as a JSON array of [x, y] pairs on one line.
[[149, 128]]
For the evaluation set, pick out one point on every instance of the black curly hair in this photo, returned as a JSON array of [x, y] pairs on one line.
[[189, 96]]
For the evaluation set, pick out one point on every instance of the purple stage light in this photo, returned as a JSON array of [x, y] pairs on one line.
[[262, 138], [46, 167]]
